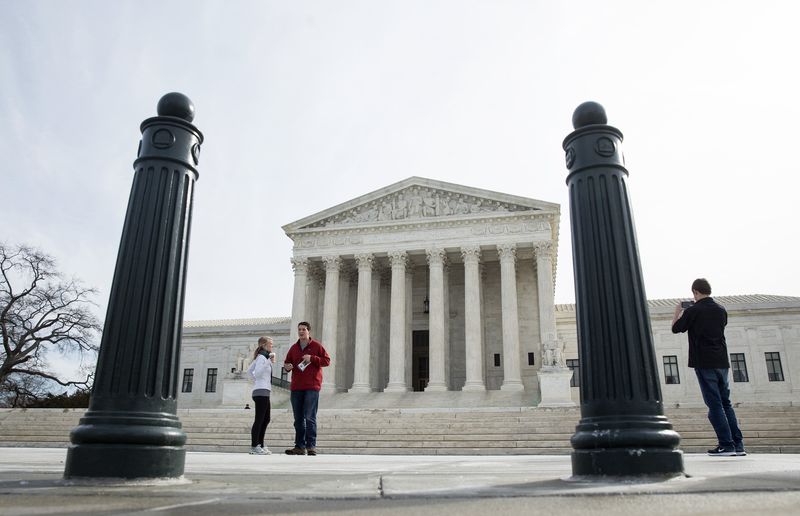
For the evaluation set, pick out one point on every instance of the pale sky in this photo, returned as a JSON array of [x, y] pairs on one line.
[[308, 104]]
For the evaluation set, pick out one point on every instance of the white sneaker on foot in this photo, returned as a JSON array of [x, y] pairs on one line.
[[258, 450]]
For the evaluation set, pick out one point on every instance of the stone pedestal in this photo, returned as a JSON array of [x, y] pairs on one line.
[[236, 391], [554, 387]]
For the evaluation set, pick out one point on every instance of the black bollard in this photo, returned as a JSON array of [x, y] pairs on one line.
[[623, 431], [131, 429]]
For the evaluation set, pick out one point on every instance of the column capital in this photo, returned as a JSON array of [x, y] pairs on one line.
[[332, 263], [365, 261], [507, 251], [299, 265], [471, 254], [398, 258], [544, 249], [436, 256]]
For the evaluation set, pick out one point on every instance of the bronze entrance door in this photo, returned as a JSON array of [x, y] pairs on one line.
[[419, 360]]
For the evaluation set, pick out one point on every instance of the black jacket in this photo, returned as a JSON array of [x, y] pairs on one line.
[[705, 321]]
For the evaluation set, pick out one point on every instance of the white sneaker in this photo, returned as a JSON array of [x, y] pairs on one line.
[[258, 450], [265, 451]]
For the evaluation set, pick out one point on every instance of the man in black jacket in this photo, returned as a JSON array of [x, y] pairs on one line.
[[705, 321]]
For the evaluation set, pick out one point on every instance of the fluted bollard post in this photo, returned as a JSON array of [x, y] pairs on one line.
[[623, 430], [131, 429]]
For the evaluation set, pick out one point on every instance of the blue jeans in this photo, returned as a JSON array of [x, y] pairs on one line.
[[304, 407], [716, 394]]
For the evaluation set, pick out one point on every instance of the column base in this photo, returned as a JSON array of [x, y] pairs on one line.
[[396, 387], [474, 387], [124, 461], [628, 462], [360, 388], [435, 387], [512, 386]]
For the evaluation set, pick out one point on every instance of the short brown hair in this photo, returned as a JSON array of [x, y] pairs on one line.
[[702, 285], [306, 324]]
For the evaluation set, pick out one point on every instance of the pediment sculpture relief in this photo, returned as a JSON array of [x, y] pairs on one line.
[[418, 203]]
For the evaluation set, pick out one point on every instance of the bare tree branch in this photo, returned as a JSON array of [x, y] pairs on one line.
[[40, 312]]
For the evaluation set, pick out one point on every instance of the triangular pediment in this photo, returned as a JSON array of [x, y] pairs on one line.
[[418, 199]]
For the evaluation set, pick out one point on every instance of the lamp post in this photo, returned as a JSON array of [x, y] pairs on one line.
[[131, 429], [623, 430]]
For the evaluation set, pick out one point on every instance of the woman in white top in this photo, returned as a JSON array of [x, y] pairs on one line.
[[260, 371]]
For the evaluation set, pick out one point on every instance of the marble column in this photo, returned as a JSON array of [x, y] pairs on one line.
[[299, 310], [376, 381], [473, 324], [436, 340], [547, 308], [344, 361], [312, 303], [361, 381], [330, 318], [512, 377], [397, 323], [553, 376]]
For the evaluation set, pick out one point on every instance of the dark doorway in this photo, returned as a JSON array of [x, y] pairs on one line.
[[419, 360]]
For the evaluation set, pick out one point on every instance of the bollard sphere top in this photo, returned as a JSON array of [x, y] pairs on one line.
[[177, 105], [588, 113]]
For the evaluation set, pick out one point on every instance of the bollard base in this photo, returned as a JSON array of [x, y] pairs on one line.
[[628, 462], [124, 461]]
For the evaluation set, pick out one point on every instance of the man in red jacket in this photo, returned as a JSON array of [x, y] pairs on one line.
[[305, 360]]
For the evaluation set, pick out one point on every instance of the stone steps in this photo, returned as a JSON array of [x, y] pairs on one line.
[[460, 431]]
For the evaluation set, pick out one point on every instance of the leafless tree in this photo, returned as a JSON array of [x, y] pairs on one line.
[[41, 312]]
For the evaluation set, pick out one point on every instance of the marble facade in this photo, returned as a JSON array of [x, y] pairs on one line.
[[430, 287], [418, 286]]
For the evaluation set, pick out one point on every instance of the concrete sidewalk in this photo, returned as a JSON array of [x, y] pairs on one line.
[[216, 483]]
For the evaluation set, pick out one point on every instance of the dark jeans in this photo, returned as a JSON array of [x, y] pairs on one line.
[[304, 406], [261, 421], [716, 394]]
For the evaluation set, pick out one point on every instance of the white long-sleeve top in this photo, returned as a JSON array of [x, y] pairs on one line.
[[260, 371]]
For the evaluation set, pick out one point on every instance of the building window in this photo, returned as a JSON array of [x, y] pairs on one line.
[[575, 365], [211, 380], [671, 374], [530, 359], [774, 369], [739, 367], [497, 359], [188, 379]]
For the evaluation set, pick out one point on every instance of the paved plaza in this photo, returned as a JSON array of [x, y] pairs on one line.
[[227, 483]]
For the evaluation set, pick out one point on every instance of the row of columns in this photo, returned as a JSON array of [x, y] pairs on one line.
[[438, 315]]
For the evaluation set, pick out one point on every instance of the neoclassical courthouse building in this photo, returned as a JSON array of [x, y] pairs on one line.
[[428, 293]]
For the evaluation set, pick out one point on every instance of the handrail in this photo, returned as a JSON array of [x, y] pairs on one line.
[[281, 381]]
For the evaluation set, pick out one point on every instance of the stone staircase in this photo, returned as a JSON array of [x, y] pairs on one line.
[[427, 431]]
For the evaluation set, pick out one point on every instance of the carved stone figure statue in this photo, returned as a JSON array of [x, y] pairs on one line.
[[400, 206], [415, 205], [428, 206], [553, 354]]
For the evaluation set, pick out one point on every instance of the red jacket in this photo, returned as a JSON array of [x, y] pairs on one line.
[[311, 378]]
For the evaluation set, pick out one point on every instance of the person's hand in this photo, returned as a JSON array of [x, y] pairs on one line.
[[306, 359], [288, 366], [677, 314]]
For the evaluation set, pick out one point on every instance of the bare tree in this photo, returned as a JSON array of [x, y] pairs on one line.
[[40, 312]]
